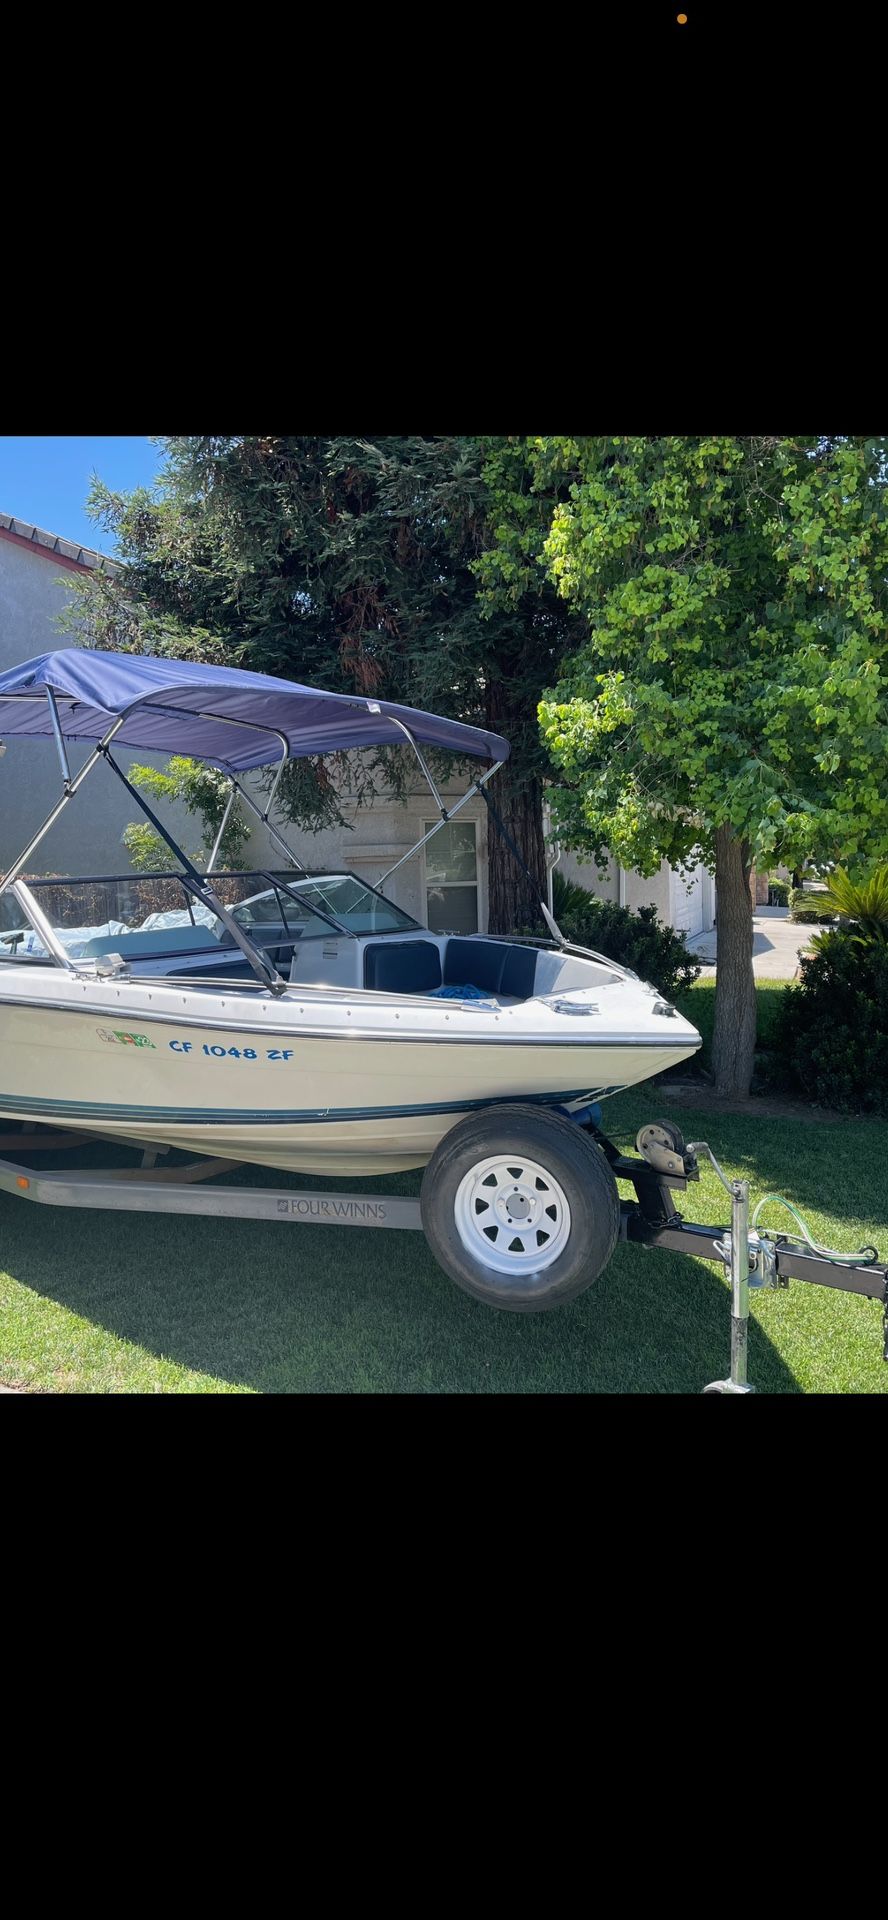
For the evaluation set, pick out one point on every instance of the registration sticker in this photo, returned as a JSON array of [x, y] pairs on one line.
[[116, 1038]]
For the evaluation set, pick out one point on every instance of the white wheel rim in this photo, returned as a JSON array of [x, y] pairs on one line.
[[512, 1215]]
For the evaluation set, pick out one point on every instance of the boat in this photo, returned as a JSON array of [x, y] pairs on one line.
[[279, 1017]]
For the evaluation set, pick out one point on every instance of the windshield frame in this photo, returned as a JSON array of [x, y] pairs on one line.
[[281, 886]]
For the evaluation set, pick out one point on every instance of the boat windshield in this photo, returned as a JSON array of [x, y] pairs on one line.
[[110, 913], [337, 896]]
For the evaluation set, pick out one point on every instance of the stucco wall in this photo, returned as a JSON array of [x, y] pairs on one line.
[[585, 874], [638, 892], [88, 837]]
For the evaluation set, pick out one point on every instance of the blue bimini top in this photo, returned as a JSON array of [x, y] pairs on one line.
[[231, 718]]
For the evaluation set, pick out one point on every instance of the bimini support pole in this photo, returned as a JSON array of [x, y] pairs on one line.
[[222, 826], [477, 786], [426, 770], [61, 749], [272, 832], [71, 787], [246, 726], [264, 971], [262, 813]]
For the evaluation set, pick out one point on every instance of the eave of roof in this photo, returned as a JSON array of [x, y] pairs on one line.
[[51, 546]]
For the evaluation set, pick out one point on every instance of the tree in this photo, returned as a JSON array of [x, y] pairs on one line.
[[201, 790], [344, 563], [730, 700]]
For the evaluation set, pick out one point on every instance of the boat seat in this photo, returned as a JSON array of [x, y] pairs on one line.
[[402, 966], [492, 965]]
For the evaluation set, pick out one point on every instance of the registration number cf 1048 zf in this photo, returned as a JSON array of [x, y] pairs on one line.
[[233, 1053]]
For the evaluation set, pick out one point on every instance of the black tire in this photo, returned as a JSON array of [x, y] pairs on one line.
[[559, 1147]]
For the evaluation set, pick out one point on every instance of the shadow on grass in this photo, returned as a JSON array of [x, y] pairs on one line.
[[286, 1309]]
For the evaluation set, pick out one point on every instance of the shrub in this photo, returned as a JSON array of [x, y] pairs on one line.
[[778, 893], [637, 940], [831, 1031], [148, 852], [807, 908]]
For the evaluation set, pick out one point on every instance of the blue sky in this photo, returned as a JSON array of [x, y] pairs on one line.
[[45, 479]]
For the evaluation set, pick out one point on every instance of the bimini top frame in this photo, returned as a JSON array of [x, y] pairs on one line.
[[233, 719]]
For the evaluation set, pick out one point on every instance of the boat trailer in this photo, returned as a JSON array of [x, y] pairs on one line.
[[665, 1165]]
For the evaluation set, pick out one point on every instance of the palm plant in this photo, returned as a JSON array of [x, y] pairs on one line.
[[569, 898], [863, 903]]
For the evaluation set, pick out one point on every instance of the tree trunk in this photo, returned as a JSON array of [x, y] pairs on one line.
[[733, 1043], [512, 899]]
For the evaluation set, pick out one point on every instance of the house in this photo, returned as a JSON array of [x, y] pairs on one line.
[[445, 885], [36, 574]]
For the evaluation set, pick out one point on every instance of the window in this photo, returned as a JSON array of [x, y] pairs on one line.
[[452, 878]]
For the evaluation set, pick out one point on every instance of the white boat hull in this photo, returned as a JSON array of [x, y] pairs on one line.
[[312, 1081]]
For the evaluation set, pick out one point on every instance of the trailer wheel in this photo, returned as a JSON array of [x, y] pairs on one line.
[[520, 1208]]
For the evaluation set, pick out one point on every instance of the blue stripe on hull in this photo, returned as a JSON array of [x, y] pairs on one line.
[[238, 1116]]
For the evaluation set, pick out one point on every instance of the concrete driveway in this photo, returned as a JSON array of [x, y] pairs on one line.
[[776, 945]]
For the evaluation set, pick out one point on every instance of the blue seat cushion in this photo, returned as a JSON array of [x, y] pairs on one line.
[[402, 966], [480, 961], [519, 972], [492, 965]]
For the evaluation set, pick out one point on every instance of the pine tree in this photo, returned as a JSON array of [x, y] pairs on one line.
[[349, 564]]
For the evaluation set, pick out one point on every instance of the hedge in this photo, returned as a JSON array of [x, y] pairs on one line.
[[831, 1031]]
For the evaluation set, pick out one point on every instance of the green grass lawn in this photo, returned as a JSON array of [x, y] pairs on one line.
[[130, 1303]]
